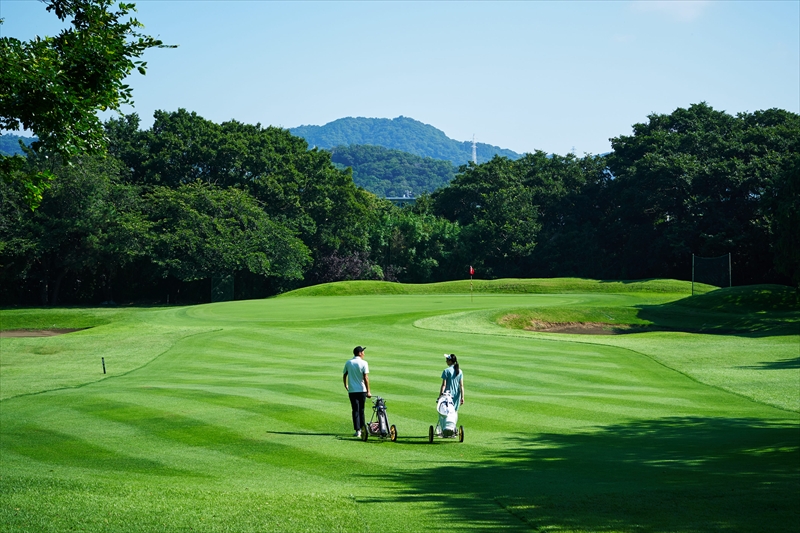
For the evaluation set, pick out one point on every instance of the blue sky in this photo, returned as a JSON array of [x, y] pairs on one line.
[[553, 76]]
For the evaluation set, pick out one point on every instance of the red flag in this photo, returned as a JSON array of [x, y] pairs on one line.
[[471, 271]]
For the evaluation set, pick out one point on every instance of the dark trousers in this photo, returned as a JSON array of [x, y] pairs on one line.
[[357, 401]]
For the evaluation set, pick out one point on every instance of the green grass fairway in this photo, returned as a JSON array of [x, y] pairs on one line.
[[231, 417]]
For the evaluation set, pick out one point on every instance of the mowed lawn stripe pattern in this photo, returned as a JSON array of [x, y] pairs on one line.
[[253, 412]]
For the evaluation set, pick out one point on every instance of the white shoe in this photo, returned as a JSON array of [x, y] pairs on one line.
[[357, 434]]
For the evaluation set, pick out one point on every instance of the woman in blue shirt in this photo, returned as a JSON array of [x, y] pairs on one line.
[[453, 380]]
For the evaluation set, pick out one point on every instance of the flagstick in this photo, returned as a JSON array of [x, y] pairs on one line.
[[470, 288]]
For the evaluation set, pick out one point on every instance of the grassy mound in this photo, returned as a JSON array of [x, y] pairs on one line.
[[758, 309], [34, 318], [500, 286], [749, 299]]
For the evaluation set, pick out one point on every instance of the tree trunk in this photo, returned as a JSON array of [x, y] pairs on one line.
[[44, 287], [44, 297], [57, 287], [108, 297]]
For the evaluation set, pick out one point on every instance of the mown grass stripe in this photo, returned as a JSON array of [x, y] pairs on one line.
[[561, 430]]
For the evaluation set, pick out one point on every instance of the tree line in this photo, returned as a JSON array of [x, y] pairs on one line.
[[696, 181], [382, 171], [169, 210]]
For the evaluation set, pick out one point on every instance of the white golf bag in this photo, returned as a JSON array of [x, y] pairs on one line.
[[448, 416]]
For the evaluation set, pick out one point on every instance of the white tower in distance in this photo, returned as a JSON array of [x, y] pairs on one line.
[[474, 150]]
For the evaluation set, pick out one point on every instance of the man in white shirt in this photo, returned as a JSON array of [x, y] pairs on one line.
[[356, 383]]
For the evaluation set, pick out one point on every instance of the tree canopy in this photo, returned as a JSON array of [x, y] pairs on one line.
[[296, 186], [705, 182], [54, 86], [198, 230]]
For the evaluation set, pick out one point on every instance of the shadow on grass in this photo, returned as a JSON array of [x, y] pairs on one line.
[[756, 311], [677, 474], [750, 298], [669, 318], [752, 312], [402, 440], [304, 433], [783, 364]]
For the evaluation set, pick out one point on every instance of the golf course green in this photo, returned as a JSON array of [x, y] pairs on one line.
[[684, 416]]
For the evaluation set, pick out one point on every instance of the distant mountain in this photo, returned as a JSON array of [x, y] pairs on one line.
[[401, 133], [9, 144]]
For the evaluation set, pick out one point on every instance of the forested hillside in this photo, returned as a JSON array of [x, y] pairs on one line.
[[386, 172], [189, 208], [9, 143], [401, 133]]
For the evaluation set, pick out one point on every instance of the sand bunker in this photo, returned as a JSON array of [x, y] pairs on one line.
[[36, 332], [580, 328]]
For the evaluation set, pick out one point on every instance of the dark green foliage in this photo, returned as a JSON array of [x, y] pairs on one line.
[[415, 246], [704, 182], [87, 228], [401, 133], [573, 198], [54, 86], [296, 186], [505, 207], [199, 231], [386, 172], [92, 227], [782, 208], [189, 199], [698, 181]]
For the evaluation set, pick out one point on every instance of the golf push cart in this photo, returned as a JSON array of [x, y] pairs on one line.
[[448, 418], [378, 425]]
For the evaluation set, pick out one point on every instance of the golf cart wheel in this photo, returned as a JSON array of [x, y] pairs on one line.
[[392, 433], [364, 434], [430, 435], [460, 433]]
